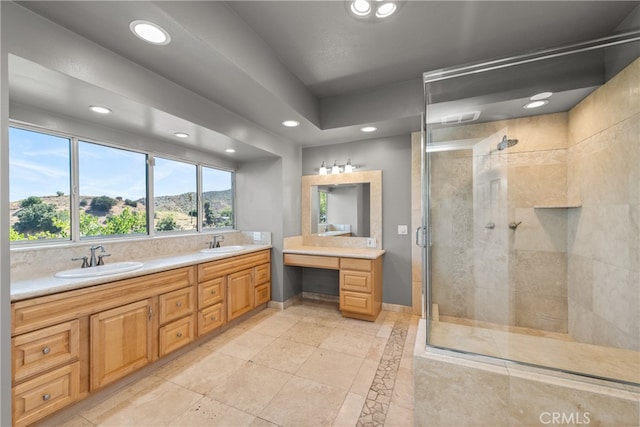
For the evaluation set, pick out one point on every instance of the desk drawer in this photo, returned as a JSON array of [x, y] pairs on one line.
[[356, 302], [356, 264], [314, 261], [44, 349], [357, 281]]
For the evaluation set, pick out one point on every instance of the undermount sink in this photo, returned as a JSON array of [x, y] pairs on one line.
[[222, 249], [100, 270]]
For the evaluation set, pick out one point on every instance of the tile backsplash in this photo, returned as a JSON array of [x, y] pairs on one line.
[[29, 262]]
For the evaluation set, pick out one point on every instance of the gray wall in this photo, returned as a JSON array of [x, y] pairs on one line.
[[392, 155]]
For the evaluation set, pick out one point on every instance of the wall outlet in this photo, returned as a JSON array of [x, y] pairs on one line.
[[371, 243], [402, 230], [257, 235]]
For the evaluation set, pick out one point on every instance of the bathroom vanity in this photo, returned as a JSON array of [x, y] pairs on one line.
[[69, 344], [360, 273]]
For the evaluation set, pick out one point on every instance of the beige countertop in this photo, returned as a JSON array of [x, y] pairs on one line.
[[47, 285], [335, 251]]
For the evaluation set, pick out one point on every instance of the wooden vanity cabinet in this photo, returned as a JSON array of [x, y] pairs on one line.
[[262, 287]]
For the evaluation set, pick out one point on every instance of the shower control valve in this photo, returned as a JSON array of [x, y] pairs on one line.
[[514, 225]]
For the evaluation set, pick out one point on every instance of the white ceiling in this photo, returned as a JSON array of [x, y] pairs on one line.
[[310, 60]]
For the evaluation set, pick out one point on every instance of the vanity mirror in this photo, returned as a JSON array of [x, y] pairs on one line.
[[345, 206]]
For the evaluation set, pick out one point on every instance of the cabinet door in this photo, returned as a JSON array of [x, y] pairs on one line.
[[239, 293], [120, 342]]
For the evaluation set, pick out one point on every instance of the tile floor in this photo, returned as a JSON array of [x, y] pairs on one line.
[[304, 366]]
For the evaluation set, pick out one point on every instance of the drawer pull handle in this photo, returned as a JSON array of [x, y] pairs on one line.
[[213, 292], [179, 334], [46, 397], [213, 318], [178, 304], [46, 350]]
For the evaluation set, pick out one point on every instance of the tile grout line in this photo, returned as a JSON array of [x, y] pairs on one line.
[[376, 405]]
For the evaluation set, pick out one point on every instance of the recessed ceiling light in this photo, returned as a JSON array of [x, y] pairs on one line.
[[540, 96], [536, 104], [290, 123], [181, 134], [150, 32], [385, 9], [100, 109], [360, 7], [230, 150], [369, 129]]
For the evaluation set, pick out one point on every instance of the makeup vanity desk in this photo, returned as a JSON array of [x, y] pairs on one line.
[[360, 275]]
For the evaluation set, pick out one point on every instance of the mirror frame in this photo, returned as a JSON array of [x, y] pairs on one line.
[[373, 178]]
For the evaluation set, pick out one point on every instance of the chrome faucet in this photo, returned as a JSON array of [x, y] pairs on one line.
[[92, 260], [215, 241]]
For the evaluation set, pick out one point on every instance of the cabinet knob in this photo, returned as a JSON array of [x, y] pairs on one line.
[[46, 397], [46, 350], [213, 292], [214, 318], [178, 304], [179, 334]]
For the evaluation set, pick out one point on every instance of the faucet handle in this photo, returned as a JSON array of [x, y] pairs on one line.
[[83, 259], [100, 260]]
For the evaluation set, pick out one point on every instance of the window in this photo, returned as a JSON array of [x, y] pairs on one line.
[[217, 196], [39, 185], [111, 191], [322, 206], [175, 196]]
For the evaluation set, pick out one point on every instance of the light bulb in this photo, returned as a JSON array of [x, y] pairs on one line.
[[348, 168], [323, 169], [335, 169]]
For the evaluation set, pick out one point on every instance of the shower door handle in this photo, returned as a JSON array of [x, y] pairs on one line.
[[421, 230]]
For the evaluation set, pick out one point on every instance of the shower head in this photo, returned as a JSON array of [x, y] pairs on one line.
[[506, 143]]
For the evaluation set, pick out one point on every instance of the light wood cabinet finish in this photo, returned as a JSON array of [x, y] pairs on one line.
[[44, 349], [45, 394], [240, 293], [67, 345], [121, 342], [360, 282]]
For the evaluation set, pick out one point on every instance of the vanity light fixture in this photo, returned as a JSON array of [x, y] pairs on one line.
[[100, 109], [536, 104], [335, 169], [291, 123], [229, 150], [323, 169], [368, 129], [348, 168], [181, 134], [150, 32]]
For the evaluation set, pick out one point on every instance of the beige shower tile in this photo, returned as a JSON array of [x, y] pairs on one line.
[[331, 368], [349, 411], [246, 345], [284, 355], [151, 401], [250, 388], [208, 412], [303, 402], [348, 341], [201, 375], [307, 333]]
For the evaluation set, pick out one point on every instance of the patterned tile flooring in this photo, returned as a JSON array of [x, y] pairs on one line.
[[304, 366]]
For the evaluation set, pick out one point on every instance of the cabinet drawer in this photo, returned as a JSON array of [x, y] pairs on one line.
[[213, 269], [210, 319], [175, 335], [356, 264], [45, 394], [263, 274], [44, 349], [356, 302], [262, 293], [211, 292], [356, 281], [176, 304]]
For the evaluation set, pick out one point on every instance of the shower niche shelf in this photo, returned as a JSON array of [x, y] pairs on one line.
[[557, 206]]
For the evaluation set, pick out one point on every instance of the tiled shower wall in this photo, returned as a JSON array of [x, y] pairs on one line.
[[604, 173], [535, 295]]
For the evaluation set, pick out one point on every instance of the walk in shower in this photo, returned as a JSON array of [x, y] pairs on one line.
[[531, 209]]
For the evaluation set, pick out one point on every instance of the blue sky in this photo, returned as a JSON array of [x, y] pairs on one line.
[[39, 166]]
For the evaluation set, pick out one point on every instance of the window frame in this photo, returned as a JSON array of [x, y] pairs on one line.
[[74, 169]]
